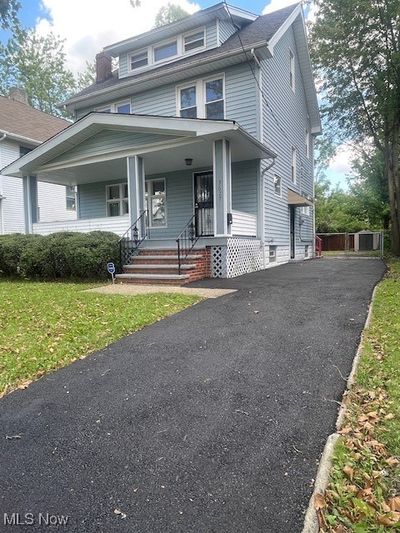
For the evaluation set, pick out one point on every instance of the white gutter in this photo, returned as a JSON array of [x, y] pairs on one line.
[[17, 137]]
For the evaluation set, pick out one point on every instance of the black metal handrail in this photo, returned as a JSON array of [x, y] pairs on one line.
[[186, 241], [133, 238]]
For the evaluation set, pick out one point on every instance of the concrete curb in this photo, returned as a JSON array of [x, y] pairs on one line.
[[311, 520]]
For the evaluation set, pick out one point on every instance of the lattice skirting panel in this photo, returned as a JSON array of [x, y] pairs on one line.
[[237, 257]]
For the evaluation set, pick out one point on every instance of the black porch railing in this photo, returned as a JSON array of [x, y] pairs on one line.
[[133, 238], [186, 241]]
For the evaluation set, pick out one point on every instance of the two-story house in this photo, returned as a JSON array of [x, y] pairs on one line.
[[22, 128], [197, 148]]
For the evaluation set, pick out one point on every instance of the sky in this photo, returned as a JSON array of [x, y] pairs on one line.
[[89, 25]]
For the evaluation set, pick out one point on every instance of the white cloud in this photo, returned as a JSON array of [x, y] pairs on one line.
[[274, 5], [341, 162], [89, 25]]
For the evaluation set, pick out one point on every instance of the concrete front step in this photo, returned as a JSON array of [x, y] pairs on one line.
[[156, 269], [164, 259], [150, 279]]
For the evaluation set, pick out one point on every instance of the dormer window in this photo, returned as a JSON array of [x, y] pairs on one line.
[[139, 60], [193, 41], [165, 51]]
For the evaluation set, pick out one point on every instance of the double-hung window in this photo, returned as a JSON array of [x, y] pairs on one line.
[[193, 41], [70, 197], [156, 203], [214, 99], [307, 143], [202, 99], [188, 102], [277, 186], [165, 51], [139, 60], [117, 199], [292, 71], [294, 165]]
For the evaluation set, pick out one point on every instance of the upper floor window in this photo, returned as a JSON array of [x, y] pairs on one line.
[[183, 44], [139, 60], [165, 51], [215, 99], [202, 99], [277, 185], [292, 71], [188, 105], [193, 41], [294, 165], [307, 143], [70, 196], [118, 107]]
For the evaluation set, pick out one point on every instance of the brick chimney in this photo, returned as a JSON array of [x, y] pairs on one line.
[[19, 95], [103, 67]]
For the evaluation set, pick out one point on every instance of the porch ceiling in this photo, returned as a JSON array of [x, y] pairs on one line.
[[75, 156]]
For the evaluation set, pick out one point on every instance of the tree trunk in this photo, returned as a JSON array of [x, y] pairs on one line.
[[392, 152]]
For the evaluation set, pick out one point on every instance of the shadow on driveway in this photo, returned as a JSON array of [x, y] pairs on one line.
[[211, 420]]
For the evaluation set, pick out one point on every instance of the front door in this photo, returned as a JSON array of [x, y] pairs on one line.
[[292, 218], [204, 203]]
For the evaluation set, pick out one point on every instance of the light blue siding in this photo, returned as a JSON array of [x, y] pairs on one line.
[[244, 186], [226, 29], [107, 140], [179, 196], [160, 101], [241, 97], [284, 127], [211, 35]]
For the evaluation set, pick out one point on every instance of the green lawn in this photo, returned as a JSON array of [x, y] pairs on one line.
[[44, 326], [364, 490]]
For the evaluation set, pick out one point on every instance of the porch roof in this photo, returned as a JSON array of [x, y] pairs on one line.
[[75, 154]]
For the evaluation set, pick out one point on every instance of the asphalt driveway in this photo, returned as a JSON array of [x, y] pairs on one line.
[[212, 420]]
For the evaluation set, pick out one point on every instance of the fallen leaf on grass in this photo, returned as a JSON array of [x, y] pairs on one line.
[[391, 519], [394, 503], [389, 416], [319, 502], [349, 472], [392, 461]]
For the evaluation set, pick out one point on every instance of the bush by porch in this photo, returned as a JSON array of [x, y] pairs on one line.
[[63, 255]]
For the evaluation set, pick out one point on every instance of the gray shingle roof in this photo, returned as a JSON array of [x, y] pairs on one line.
[[261, 30]]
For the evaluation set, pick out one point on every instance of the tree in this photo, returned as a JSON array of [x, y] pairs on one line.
[[169, 13], [38, 64], [356, 48], [8, 13]]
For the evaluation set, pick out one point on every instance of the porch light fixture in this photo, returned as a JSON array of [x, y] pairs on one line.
[[189, 161]]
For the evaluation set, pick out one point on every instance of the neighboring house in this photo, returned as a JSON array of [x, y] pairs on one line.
[[23, 128], [204, 134]]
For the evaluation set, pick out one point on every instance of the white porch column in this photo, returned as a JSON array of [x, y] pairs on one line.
[[29, 184], [136, 190], [222, 167]]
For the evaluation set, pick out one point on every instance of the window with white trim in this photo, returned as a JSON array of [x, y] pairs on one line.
[[139, 60], [156, 203], [165, 51], [193, 40], [117, 200], [202, 99], [181, 45], [277, 185], [70, 197], [294, 165], [117, 107], [292, 71], [188, 102], [307, 143]]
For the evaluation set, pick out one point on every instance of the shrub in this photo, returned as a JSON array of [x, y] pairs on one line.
[[59, 255]]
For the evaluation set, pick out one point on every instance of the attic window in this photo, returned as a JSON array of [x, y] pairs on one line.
[[139, 60], [165, 51], [292, 73], [193, 41]]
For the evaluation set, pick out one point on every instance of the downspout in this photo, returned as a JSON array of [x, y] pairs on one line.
[[2, 138]]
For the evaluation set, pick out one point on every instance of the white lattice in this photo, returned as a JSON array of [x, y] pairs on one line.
[[237, 257], [244, 256], [218, 261]]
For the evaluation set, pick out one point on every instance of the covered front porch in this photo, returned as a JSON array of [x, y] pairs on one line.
[[151, 179]]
